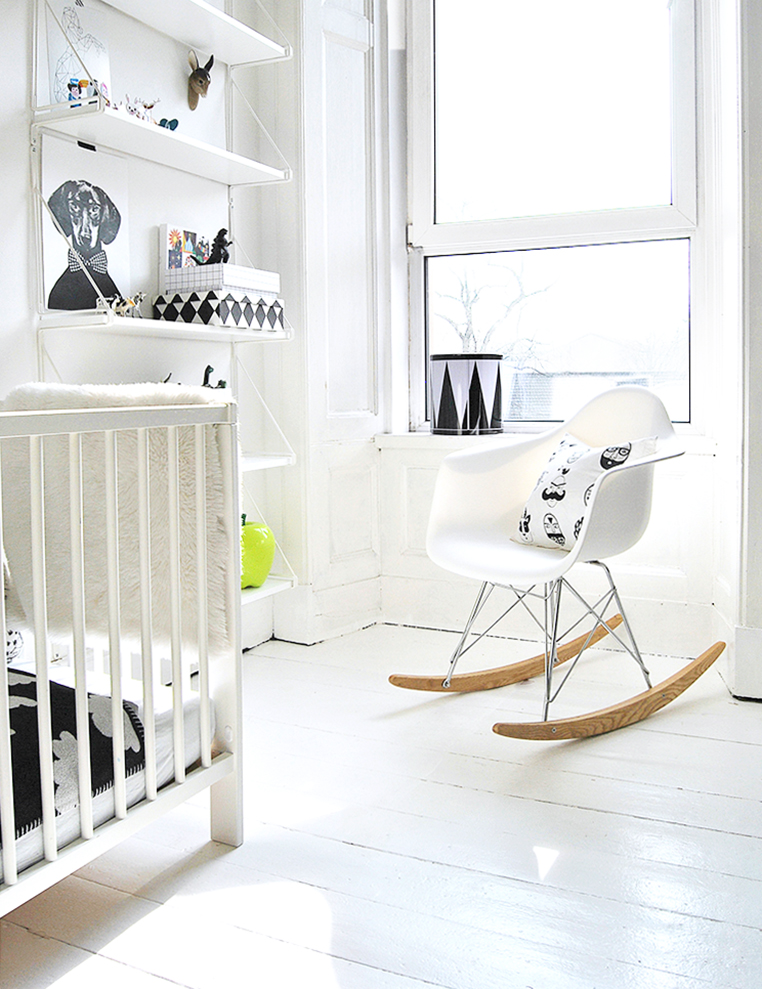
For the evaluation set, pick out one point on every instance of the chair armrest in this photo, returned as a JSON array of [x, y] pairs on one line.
[[620, 504], [489, 483]]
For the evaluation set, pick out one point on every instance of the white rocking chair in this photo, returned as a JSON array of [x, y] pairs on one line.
[[479, 498]]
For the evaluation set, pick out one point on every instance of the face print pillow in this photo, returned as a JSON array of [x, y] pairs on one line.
[[555, 511]]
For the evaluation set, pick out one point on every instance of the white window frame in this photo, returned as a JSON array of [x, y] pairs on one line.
[[426, 238]]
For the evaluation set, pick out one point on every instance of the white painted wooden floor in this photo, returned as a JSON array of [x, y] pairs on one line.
[[395, 842]]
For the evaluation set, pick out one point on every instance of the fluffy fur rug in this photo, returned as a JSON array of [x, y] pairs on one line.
[[16, 514]]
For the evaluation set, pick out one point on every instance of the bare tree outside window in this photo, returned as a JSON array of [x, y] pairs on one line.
[[568, 321], [482, 304]]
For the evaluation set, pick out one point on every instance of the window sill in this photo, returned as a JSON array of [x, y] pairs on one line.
[[695, 445], [424, 438]]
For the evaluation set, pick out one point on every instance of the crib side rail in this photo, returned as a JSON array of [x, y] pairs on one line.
[[219, 676], [57, 421]]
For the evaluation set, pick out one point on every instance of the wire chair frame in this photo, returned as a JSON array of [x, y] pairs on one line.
[[550, 599]]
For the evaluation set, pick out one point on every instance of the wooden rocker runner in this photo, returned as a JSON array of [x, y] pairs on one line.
[[617, 715], [593, 479], [501, 676]]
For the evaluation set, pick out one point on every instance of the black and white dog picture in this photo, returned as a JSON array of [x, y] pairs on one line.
[[85, 237], [90, 220]]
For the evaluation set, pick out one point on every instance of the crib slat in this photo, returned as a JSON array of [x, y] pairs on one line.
[[173, 480], [203, 607], [146, 628], [8, 818], [76, 529], [39, 598], [114, 636]]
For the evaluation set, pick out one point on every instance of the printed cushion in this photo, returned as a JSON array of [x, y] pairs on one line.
[[555, 511], [14, 644]]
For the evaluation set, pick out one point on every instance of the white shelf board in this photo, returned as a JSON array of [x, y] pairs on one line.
[[107, 323], [273, 585], [205, 28], [262, 461], [117, 130]]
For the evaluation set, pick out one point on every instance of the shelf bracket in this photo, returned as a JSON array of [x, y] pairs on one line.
[[287, 454], [288, 173]]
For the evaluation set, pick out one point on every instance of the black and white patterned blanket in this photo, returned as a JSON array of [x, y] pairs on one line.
[[25, 747]]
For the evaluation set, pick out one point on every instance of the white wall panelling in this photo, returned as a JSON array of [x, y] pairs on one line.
[[349, 257], [328, 381], [748, 668]]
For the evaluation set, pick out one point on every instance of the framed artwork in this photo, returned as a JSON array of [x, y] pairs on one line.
[[85, 240], [78, 57], [178, 247]]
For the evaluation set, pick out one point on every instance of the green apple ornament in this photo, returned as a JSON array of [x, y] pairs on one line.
[[257, 553]]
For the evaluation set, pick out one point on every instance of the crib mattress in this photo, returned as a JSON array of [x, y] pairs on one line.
[[29, 845]]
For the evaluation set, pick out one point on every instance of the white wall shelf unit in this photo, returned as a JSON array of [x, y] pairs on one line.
[[97, 125], [263, 461], [108, 323], [282, 576], [273, 585], [95, 329], [94, 326], [205, 28], [272, 448]]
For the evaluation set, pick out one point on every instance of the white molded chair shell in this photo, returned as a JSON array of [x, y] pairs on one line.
[[480, 493]]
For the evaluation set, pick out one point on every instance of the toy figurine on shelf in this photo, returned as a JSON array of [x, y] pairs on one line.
[[140, 108], [124, 307], [199, 79], [207, 383], [219, 253]]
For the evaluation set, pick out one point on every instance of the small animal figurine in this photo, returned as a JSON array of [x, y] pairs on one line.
[[199, 79], [126, 307], [220, 253], [207, 382], [140, 108]]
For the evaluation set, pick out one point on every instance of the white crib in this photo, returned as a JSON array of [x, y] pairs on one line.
[[121, 539]]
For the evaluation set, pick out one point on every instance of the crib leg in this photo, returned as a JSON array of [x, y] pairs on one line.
[[227, 811], [227, 682]]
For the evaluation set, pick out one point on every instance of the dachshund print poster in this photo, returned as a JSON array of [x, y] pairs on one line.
[[85, 237]]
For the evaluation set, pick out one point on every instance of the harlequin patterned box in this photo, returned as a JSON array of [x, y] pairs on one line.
[[226, 308]]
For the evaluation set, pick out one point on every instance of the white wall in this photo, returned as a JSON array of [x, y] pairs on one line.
[[326, 233], [19, 361], [351, 514], [747, 665]]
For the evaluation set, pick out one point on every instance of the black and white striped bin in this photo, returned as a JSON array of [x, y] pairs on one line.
[[465, 393]]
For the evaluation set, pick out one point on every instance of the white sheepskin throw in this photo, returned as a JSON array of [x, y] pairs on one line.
[[17, 517]]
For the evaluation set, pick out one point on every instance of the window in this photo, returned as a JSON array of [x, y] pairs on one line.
[[552, 208]]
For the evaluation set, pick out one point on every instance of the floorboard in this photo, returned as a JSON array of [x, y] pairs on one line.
[[393, 841]]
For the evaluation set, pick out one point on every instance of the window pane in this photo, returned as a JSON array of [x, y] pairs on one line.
[[554, 107], [570, 321]]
